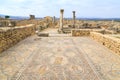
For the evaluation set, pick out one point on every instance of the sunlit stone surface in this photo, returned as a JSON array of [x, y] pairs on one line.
[[59, 58]]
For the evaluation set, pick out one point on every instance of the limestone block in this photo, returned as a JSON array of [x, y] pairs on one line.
[[43, 34]]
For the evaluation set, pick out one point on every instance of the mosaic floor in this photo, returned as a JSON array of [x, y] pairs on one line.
[[59, 58]]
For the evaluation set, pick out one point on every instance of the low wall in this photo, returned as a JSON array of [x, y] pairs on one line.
[[80, 32], [10, 37], [26, 22], [83, 32], [110, 42]]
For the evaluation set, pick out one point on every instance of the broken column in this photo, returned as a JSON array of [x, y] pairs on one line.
[[74, 19], [53, 19], [61, 21], [32, 16], [112, 22]]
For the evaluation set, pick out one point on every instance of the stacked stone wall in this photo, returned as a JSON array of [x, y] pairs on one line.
[[110, 42], [83, 32], [26, 22], [12, 36], [80, 32]]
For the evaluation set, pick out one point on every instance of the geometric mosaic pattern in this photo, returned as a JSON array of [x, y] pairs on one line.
[[59, 58], [56, 61]]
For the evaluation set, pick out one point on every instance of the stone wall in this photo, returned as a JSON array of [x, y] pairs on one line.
[[83, 32], [10, 37], [26, 22], [80, 32], [10, 23], [110, 42], [40, 22]]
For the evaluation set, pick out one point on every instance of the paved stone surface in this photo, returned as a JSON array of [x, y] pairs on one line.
[[13, 59], [59, 58], [58, 61], [54, 33]]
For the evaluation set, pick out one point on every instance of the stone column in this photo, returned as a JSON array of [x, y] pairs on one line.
[[74, 19], [32, 16], [112, 22], [61, 20], [53, 19]]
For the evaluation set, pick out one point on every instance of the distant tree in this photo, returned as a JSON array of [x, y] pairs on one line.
[[7, 17]]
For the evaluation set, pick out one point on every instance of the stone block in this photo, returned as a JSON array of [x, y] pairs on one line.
[[43, 34]]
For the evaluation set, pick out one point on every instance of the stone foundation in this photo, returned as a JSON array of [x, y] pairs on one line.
[[80, 32], [83, 32], [110, 42], [10, 37]]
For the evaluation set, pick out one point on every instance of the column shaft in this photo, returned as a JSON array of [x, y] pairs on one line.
[[61, 20]]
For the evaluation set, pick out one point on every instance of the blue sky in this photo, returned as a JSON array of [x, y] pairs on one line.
[[41, 8]]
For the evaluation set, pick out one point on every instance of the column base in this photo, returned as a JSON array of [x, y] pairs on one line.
[[60, 31]]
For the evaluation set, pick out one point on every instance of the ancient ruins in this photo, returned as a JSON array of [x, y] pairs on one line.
[[59, 49]]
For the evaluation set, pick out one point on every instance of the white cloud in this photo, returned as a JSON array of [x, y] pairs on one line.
[[52, 7], [14, 1], [18, 1]]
